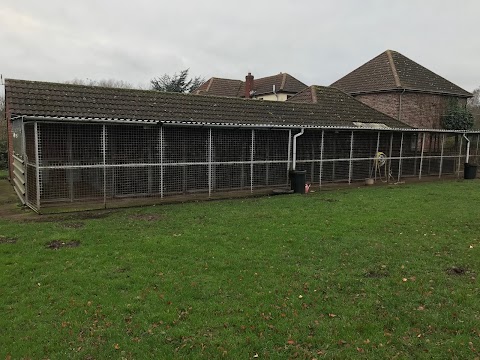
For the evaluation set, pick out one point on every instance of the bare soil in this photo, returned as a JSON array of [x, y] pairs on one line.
[[57, 244]]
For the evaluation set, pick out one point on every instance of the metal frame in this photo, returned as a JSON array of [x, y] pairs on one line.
[[157, 167]]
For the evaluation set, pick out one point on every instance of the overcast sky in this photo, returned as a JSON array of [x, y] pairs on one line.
[[315, 41]]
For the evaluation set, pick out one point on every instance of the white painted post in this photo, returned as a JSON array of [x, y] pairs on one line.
[[459, 157], [390, 151], [289, 152], [350, 161], [104, 153], [321, 159], [376, 152], [441, 157], [37, 164], [209, 162], [400, 160], [252, 149], [421, 157], [161, 162]]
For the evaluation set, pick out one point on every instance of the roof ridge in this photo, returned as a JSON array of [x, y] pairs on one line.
[[210, 83], [284, 79], [394, 68], [314, 94]]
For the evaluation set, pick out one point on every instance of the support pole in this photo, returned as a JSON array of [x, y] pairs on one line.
[[104, 153], [289, 152], [400, 160], [390, 152], [37, 164], [376, 152], [252, 149], [209, 162], [421, 157], [350, 162], [459, 157], [441, 157], [161, 162], [321, 159]]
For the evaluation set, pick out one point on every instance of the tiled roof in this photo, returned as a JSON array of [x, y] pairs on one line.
[[43, 99], [392, 71], [334, 102], [220, 87], [283, 82]]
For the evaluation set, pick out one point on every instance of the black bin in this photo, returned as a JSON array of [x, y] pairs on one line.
[[469, 171], [297, 180]]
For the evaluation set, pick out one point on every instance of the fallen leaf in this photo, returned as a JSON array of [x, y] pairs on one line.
[[332, 315], [116, 346], [291, 342]]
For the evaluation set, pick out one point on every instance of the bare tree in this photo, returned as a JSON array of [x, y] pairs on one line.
[[112, 83]]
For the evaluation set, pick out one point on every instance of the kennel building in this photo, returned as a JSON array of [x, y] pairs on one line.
[[83, 147]]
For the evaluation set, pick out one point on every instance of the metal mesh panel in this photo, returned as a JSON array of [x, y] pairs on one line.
[[108, 163]]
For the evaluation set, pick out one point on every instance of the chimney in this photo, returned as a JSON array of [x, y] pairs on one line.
[[248, 86]]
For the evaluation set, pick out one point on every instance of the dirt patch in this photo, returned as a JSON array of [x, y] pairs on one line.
[[72, 225], [85, 215], [7, 240], [457, 271], [146, 217], [57, 244]]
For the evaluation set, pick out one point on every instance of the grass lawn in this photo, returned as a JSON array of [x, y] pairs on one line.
[[3, 174], [380, 272]]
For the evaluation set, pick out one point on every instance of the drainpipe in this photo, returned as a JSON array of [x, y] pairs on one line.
[[468, 148], [274, 92], [294, 160]]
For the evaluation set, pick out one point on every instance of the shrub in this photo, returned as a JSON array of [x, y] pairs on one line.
[[457, 118]]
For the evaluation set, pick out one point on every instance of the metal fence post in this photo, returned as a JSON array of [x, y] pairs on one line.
[[37, 163], [459, 156], [421, 157], [209, 162], [289, 151], [104, 154], [321, 159], [441, 157], [376, 152], [252, 149], [161, 162], [400, 160], [350, 160], [390, 151]]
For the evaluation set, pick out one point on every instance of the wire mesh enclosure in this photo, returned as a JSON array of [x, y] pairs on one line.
[[107, 164]]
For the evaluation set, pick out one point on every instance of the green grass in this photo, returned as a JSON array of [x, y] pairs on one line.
[[3, 174], [382, 272]]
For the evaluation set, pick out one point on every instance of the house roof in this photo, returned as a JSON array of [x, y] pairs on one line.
[[335, 102], [284, 83], [392, 71], [220, 87], [78, 102]]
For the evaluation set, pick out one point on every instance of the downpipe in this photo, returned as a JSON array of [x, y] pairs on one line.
[[467, 155], [294, 159]]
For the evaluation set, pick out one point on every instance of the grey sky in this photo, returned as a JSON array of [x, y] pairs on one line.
[[316, 41]]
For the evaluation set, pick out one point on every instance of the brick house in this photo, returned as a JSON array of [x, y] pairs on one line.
[[403, 89], [276, 88]]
